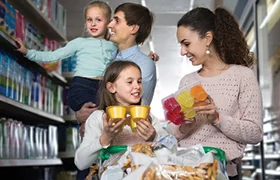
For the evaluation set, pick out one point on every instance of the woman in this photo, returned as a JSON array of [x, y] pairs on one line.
[[233, 116]]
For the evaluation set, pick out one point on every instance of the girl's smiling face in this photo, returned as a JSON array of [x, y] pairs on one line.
[[128, 86], [96, 22]]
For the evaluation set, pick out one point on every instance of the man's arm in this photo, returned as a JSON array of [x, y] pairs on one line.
[[83, 114], [85, 111]]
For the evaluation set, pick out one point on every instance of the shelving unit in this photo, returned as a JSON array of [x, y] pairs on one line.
[[270, 172], [252, 162], [9, 44], [30, 168], [35, 17], [64, 155], [29, 162], [32, 115], [68, 75]]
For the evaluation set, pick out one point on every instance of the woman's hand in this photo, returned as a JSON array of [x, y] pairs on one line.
[[210, 110], [146, 130], [189, 120], [111, 130], [20, 46]]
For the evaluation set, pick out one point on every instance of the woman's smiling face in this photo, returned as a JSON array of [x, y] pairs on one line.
[[192, 45]]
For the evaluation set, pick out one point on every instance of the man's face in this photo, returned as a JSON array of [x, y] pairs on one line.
[[120, 31]]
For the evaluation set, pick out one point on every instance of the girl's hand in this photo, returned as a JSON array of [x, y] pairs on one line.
[[111, 130], [21, 47], [145, 130], [210, 110]]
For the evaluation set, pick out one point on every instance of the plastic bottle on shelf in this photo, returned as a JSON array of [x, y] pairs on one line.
[[50, 96], [27, 143], [5, 139], [21, 83], [27, 86], [17, 76], [43, 93], [45, 143], [36, 89], [38, 142], [2, 136], [71, 139], [16, 138], [6, 68], [11, 142], [11, 77], [52, 142], [2, 74], [31, 130], [20, 128]]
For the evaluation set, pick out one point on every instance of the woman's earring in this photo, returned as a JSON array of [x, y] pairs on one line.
[[208, 50]]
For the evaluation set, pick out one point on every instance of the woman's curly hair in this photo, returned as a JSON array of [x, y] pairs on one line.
[[228, 39]]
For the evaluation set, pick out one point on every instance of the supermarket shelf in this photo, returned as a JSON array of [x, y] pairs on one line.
[[63, 155], [68, 75], [271, 141], [7, 40], [270, 118], [248, 167], [246, 178], [269, 172], [9, 45], [69, 118], [245, 158], [269, 130], [37, 18], [29, 162], [248, 149], [269, 156], [59, 78], [12, 108]]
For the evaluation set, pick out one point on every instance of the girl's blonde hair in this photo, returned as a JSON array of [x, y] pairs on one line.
[[102, 5]]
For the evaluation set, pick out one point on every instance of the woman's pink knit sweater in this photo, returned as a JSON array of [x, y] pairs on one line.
[[237, 95]]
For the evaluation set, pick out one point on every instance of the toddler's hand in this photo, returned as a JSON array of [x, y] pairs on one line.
[[20, 46]]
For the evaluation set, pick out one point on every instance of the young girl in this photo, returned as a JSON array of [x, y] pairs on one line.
[[122, 85], [93, 55], [233, 117]]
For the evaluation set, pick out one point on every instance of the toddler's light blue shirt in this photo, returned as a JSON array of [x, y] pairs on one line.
[[93, 55]]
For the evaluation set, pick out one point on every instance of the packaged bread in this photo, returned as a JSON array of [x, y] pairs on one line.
[[205, 171]]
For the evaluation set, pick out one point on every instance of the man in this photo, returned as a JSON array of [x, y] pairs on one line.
[[130, 27]]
